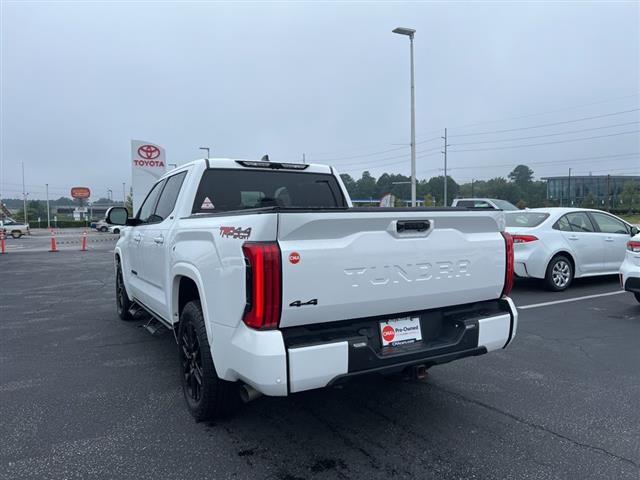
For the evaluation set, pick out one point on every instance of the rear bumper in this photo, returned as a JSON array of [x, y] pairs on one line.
[[316, 356], [630, 274]]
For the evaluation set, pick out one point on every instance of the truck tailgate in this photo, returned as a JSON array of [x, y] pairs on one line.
[[352, 264]]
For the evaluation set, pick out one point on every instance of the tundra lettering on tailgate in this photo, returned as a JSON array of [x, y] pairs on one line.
[[410, 272]]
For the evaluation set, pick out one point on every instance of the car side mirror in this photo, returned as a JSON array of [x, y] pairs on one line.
[[634, 230], [117, 216]]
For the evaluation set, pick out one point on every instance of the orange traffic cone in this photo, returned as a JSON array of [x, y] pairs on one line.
[[2, 246], [83, 247], [54, 244]]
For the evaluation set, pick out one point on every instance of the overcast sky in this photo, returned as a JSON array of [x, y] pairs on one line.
[[81, 79]]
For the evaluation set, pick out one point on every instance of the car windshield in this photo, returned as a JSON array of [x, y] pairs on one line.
[[504, 205], [525, 219]]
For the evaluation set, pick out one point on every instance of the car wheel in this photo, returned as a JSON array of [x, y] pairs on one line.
[[116, 231], [16, 234], [123, 303], [207, 396], [104, 229], [637, 295], [559, 274]]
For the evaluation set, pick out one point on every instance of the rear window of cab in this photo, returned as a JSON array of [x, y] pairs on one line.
[[525, 219], [224, 190]]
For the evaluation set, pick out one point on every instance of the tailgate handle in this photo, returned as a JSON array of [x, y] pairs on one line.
[[412, 225]]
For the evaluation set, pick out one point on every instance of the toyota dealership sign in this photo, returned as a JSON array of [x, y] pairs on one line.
[[148, 164]]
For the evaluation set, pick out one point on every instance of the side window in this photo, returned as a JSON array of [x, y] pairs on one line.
[[482, 204], [563, 224], [169, 196], [149, 205], [580, 222], [609, 224]]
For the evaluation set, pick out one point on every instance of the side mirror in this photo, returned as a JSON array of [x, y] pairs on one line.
[[117, 216], [634, 230]]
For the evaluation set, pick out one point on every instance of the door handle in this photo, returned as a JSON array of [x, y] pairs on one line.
[[159, 239], [137, 237], [573, 237]]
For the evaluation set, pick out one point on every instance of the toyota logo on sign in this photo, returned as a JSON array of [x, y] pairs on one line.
[[149, 151]]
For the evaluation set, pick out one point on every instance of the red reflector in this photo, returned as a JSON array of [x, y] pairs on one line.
[[633, 246], [508, 276], [263, 284], [523, 238]]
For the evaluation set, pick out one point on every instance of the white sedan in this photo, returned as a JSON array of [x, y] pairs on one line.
[[560, 244], [630, 269]]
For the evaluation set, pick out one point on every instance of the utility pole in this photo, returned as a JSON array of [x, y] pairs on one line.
[[24, 197], [304, 158], [608, 193], [124, 195], [46, 185], [570, 202], [445, 167], [472, 180]]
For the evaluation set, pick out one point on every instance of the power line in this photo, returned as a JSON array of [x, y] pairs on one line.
[[547, 143], [548, 124], [549, 134], [377, 160], [377, 167], [552, 162], [504, 119]]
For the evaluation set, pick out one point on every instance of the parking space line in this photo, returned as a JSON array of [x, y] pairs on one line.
[[566, 300]]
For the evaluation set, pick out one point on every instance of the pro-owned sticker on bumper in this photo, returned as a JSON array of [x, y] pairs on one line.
[[400, 331]]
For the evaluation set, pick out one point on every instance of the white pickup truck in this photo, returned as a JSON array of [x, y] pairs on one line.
[[274, 284]]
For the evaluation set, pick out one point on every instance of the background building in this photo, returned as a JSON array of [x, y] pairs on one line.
[[604, 190]]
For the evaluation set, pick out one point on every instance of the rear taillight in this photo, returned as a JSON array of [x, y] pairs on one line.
[[633, 246], [508, 276], [263, 285], [523, 238]]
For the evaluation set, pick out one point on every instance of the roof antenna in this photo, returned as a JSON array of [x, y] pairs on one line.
[[265, 158]]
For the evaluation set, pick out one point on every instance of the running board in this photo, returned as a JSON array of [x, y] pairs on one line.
[[153, 322]]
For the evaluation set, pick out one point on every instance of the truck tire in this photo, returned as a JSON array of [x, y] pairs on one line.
[[207, 396], [16, 234], [123, 303], [559, 274]]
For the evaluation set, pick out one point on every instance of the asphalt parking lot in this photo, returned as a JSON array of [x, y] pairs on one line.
[[84, 395]]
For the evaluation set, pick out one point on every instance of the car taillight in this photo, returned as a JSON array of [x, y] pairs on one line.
[[524, 238], [263, 285], [508, 276], [633, 246]]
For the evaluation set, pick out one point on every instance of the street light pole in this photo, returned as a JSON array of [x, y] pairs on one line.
[[48, 216], [445, 167], [410, 33], [24, 197]]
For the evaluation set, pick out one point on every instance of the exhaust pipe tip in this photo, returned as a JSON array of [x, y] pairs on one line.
[[248, 393]]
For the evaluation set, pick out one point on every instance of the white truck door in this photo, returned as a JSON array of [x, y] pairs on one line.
[[156, 247], [136, 245]]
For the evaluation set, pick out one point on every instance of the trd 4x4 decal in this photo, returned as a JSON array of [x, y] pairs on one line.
[[235, 232]]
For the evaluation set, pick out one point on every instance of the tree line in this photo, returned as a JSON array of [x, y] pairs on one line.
[[519, 188]]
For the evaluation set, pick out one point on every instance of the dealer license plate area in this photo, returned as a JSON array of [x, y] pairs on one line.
[[400, 331]]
